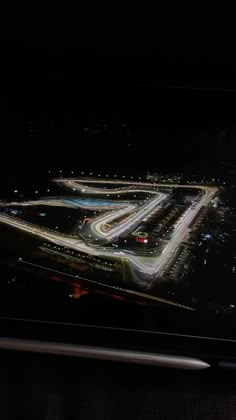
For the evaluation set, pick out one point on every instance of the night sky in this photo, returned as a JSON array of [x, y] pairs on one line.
[[171, 43], [113, 64]]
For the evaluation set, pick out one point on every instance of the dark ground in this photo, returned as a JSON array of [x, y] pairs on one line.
[[46, 387]]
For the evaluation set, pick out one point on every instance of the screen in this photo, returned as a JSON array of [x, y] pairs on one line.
[[147, 243]]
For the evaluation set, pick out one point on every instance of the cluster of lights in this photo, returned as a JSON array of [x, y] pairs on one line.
[[141, 240]]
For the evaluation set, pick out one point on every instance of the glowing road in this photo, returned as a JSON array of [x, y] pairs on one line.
[[121, 228], [148, 266]]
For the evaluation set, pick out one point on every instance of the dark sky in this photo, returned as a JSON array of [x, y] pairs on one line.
[[56, 61], [208, 29], [180, 43]]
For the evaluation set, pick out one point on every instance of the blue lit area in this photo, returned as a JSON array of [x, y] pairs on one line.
[[89, 202]]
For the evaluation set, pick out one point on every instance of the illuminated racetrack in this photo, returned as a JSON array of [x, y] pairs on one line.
[[130, 216]]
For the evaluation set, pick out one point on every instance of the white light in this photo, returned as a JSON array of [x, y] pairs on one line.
[[36, 192], [15, 191], [48, 190], [82, 173]]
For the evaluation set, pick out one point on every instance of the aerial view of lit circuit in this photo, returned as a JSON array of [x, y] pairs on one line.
[[120, 237]]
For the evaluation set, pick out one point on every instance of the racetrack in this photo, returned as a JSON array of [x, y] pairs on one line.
[[144, 266]]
